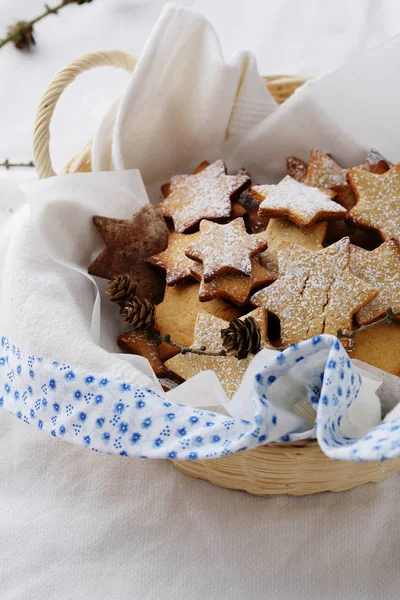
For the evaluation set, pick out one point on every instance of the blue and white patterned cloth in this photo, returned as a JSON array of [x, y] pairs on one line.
[[109, 415]]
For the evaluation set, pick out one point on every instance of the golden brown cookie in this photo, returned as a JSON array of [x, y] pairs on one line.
[[205, 195], [173, 260], [137, 342], [378, 201], [236, 288], [297, 202], [128, 243], [379, 346], [296, 168], [176, 315], [281, 230], [225, 249], [237, 208], [380, 268], [323, 171], [315, 293], [228, 369], [375, 158]]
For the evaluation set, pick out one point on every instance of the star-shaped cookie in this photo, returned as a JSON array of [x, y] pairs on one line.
[[128, 243], [300, 203], [226, 248], [323, 171], [174, 260], [204, 195], [236, 288], [228, 369], [315, 293], [176, 314], [281, 230], [380, 268], [378, 201]]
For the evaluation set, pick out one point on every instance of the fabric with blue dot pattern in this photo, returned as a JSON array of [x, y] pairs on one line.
[[108, 415]]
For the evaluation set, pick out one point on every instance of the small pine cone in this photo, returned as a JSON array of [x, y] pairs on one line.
[[24, 40], [242, 337], [121, 289], [138, 313]]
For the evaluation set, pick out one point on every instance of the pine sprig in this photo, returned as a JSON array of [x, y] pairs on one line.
[[202, 350], [389, 317], [21, 33]]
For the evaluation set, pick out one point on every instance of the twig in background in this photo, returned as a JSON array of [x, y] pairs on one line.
[[10, 165], [21, 34]]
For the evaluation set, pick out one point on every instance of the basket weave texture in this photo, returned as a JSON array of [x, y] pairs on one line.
[[297, 468]]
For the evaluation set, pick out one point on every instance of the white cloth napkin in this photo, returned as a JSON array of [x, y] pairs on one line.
[[183, 101], [345, 113]]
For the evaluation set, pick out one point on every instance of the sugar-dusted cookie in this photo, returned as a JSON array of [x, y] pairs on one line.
[[379, 346], [236, 288], [228, 369], [300, 203], [380, 268], [177, 313], [205, 195], [296, 168], [323, 171], [137, 342], [225, 248], [375, 158], [174, 260], [128, 243], [378, 201], [281, 230], [315, 292]]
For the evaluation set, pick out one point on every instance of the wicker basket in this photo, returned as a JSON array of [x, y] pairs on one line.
[[297, 468]]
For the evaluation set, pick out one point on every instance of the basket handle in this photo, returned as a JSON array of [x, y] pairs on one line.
[[41, 136]]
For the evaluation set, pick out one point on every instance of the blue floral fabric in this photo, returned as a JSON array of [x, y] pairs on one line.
[[108, 415]]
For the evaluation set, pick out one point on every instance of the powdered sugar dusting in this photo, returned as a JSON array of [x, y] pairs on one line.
[[324, 172], [235, 288], [299, 203], [228, 369], [205, 195], [280, 230], [378, 204], [174, 260], [315, 292], [380, 268], [226, 248]]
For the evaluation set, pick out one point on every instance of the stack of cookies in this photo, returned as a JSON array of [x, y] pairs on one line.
[[317, 253]]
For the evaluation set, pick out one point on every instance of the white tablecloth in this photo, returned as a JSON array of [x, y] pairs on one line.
[[74, 524]]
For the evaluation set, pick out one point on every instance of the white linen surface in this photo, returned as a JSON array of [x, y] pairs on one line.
[[76, 524]]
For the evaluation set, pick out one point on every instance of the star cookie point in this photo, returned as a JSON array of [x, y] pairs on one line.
[[228, 369], [206, 194], [128, 244], [226, 248], [378, 201], [302, 204]]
